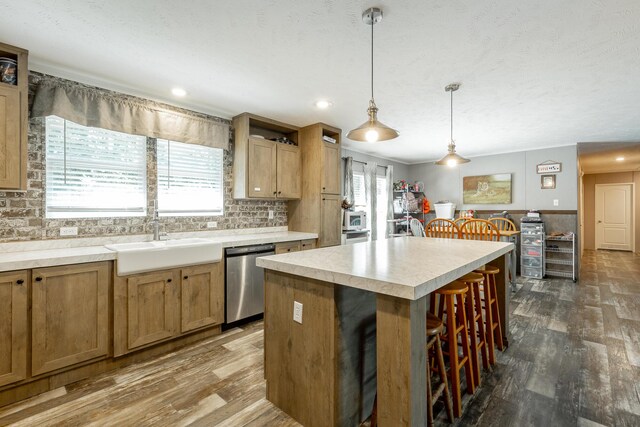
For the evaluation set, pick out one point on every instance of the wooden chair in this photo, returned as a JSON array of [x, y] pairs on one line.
[[479, 229], [416, 227], [449, 304], [460, 221], [442, 228], [503, 224]]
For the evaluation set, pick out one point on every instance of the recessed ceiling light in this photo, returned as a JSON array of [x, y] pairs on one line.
[[619, 159], [177, 91], [323, 104]]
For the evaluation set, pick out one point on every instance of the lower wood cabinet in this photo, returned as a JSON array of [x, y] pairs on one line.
[[153, 307], [287, 247], [202, 296], [70, 315], [13, 326]]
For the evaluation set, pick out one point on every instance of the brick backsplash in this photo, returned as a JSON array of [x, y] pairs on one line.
[[22, 213]]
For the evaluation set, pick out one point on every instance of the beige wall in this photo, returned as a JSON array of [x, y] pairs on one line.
[[589, 182]]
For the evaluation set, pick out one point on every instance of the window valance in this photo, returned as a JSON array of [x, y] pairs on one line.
[[95, 107]]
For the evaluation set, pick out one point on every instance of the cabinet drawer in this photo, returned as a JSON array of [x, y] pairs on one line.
[[286, 247], [308, 244], [534, 251], [536, 273], [528, 261]]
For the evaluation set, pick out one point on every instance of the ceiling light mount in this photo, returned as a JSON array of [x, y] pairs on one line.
[[372, 130], [452, 158]]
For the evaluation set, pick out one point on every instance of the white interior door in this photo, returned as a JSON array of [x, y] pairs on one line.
[[614, 217]]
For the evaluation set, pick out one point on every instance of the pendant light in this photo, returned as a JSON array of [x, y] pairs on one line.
[[372, 130], [452, 158]]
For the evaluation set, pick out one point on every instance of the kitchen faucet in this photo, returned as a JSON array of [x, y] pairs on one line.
[[156, 222]]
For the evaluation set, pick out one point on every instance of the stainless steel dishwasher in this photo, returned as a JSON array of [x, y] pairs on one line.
[[244, 284]]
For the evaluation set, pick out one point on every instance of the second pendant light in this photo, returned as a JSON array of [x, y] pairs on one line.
[[452, 158]]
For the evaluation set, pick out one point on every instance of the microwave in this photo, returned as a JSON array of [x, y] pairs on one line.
[[354, 220]]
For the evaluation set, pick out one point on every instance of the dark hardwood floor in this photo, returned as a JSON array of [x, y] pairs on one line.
[[574, 360]]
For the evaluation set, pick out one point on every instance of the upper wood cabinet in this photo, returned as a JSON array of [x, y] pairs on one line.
[[13, 123], [319, 210], [13, 326], [265, 169], [70, 315]]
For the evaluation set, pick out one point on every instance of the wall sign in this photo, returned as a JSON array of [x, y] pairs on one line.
[[550, 166]]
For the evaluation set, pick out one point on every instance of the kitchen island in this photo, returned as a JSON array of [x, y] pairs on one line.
[[361, 326]]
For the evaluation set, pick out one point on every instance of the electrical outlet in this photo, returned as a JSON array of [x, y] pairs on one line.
[[556, 202], [212, 224], [68, 231], [297, 312], [270, 214]]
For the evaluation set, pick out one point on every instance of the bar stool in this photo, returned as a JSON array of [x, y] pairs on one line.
[[476, 324], [434, 345], [492, 315], [456, 325]]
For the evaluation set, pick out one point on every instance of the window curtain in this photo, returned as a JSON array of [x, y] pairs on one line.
[[348, 180], [390, 228], [371, 194], [101, 108]]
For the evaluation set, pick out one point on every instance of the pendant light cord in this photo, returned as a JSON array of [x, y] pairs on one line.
[[452, 116], [372, 24]]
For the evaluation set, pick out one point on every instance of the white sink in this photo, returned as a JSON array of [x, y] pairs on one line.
[[139, 257]]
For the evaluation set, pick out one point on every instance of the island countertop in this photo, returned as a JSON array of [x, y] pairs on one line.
[[404, 267]]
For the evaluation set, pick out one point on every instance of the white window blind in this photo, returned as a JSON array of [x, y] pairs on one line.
[[190, 179], [93, 172], [359, 197]]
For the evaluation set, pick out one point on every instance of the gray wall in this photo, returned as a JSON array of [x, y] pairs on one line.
[[400, 170], [444, 183]]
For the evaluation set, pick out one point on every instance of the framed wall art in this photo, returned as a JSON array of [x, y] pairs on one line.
[[548, 182], [487, 189]]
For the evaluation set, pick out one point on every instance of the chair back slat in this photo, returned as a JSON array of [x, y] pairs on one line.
[[503, 224], [479, 229], [460, 221], [416, 227], [442, 228]]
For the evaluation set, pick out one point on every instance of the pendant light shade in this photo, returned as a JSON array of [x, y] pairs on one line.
[[452, 158], [372, 130]]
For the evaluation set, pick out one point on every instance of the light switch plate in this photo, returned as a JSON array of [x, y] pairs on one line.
[[212, 224], [270, 214], [68, 231], [556, 202], [297, 312]]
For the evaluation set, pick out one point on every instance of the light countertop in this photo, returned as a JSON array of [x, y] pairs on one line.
[[405, 267], [47, 253]]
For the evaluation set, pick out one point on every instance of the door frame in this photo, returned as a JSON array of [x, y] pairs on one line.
[[633, 213]]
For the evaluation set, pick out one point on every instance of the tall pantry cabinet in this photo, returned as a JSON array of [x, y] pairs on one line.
[[319, 209]]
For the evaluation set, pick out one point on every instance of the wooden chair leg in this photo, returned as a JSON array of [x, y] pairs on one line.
[[442, 371], [452, 342], [489, 320], [473, 333], [479, 320], [466, 349], [429, 395], [496, 315]]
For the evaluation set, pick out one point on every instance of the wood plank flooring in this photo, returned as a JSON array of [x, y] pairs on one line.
[[574, 360]]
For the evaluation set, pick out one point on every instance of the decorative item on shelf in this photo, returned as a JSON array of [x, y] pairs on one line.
[[418, 186], [346, 205], [8, 71], [400, 185], [372, 130], [487, 189], [547, 182], [452, 158], [425, 206], [410, 202], [469, 213], [283, 140], [328, 139]]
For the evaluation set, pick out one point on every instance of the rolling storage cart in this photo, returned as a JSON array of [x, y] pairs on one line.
[[532, 249], [561, 256]]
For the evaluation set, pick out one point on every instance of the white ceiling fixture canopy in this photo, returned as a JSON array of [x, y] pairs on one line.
[[372, 130]]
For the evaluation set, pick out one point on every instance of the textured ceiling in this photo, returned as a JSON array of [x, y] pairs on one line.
[[534, 74]]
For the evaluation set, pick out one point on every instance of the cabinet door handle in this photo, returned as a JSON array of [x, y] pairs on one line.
[[324, 198], [20, 281], [185, 277], [323, 188], [169, 280], [279, 192], [274, 193], [38, 279]]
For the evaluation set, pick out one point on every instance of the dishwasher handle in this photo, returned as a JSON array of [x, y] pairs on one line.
[[245, 250]]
